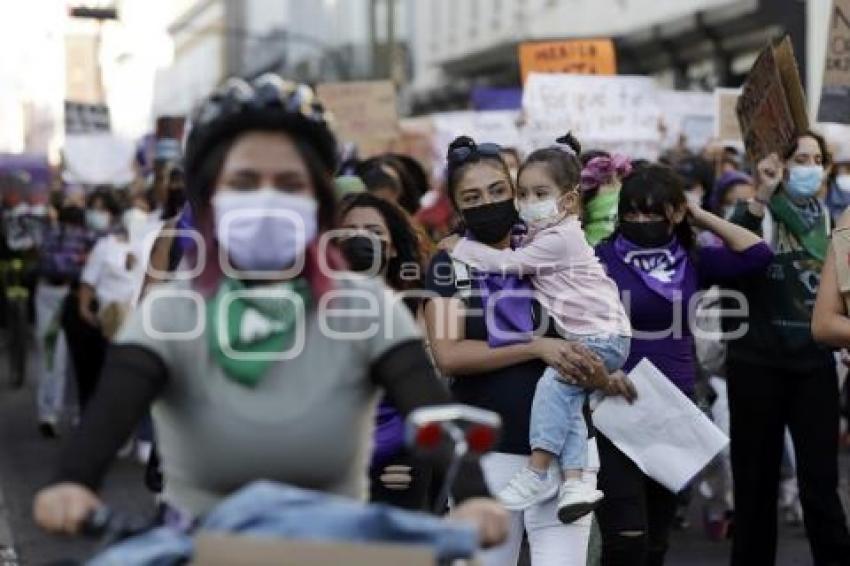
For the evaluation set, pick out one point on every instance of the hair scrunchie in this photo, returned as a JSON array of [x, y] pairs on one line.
[[602, 170]]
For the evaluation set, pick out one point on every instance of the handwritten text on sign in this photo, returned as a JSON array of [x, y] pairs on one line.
[[616, 113], [582, 57], [835, 97], [363, 112]]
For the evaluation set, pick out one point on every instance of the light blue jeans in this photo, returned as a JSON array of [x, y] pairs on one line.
[[557, 419], [268, 509]]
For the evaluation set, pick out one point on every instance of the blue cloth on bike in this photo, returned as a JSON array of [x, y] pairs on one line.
[[274, 510]]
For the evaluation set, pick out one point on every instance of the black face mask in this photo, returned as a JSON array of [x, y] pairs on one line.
[[490, 223], [174, 201], [72, 215], [655, 234], [360, 251]]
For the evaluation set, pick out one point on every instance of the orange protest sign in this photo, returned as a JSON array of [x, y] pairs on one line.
[[578, 56]]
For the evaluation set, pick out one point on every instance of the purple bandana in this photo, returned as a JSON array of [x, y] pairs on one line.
[[511, 321], [661, 269]]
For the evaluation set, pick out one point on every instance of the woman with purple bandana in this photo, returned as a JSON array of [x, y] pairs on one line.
[[654, 261], [488, 370]]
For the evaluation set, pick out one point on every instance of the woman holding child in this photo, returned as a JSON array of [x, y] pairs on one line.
[[496, 361]]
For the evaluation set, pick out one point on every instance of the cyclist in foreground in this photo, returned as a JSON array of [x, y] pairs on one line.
[[204, 352]]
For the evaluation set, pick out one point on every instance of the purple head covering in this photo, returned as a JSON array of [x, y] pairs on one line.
[[725, 182]]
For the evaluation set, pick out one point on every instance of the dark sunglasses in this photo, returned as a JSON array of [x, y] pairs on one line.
[[461, 154]]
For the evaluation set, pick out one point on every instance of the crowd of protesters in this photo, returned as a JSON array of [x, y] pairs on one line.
[[602, 252]]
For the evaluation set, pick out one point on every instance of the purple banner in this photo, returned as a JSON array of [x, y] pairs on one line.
[[490, 98]]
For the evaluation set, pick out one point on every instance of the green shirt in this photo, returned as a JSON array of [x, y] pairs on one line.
[[780, 302]]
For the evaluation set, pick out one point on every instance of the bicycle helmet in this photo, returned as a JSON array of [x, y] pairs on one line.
[[268, 103]]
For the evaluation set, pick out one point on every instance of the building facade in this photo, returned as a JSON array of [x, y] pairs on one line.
[[309, 41], [687, 44]]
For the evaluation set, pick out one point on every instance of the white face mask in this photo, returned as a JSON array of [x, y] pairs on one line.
[[264, 229], [97, 220], [540, 212], [843, 183]]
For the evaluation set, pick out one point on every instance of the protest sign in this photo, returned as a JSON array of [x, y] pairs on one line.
[[81, 118], [619, 113], [579, 56], [98, 158], [496, 126], [364, 112], [727, 128], [415, 140], [687, 116], [835, 95], [772, 106]]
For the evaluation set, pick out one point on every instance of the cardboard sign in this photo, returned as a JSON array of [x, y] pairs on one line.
[[727, 128], [215, 549], [835, 95], [841, 249], [170, 127], [619, 114], [579, 56], [364, 113], [772, 106]]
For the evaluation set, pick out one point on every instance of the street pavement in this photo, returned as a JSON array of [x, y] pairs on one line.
[[26, 461]]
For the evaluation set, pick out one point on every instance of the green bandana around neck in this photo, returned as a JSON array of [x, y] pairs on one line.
[[246, 333], [601, 217], [811, 233]]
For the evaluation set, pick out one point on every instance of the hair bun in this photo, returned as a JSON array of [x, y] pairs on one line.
[[462, 141], [570, 141]]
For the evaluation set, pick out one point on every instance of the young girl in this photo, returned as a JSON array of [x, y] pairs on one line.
[[572, 286]]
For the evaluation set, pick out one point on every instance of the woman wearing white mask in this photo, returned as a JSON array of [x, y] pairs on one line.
[[300, 407], [107, 277], [777, 375], [838, 188]]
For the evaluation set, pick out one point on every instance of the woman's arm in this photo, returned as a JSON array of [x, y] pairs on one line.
[[457, 356], [157, 263], [132, 378], [769, 173], [85, 297], [406, 374], [830, 324]]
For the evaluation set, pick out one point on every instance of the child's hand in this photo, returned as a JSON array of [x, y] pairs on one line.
[[448, 243]]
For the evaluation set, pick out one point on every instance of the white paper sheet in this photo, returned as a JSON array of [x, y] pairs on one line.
[[663, 432]]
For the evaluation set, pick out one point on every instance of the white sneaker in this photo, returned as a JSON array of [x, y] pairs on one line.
[[527, 489], [576, 499]]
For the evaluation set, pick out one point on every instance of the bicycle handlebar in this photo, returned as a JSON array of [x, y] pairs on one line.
[[106, 525]]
